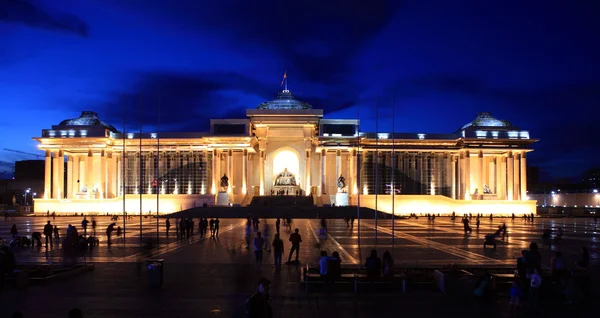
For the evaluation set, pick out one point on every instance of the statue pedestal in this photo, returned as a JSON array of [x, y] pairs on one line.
[[223, 199], [341, 199]]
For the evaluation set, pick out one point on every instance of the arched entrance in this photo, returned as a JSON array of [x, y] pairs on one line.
[[286, 170]]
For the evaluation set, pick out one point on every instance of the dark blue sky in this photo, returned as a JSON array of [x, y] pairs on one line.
[[534, 63]]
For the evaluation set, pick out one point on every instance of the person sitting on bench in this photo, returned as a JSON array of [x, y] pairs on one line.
[[324, 265], [335, 267], [373, 265]]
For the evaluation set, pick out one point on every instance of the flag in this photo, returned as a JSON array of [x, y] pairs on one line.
[[284, 78]]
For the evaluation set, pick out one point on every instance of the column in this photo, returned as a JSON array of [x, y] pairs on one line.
[[76, 173], [498, 168], [352, 174], [503, 179], [69, 176], [48, 175], [307, 189], [338, 163], [89, 173], [245, 172], [261, 172], [55, 173], [322, 171], [509, 176], [102, 175], [524, 176], [110, 176], [480, 174], [453, 177], [467, 175], [516, 176], [61, 174], [230, 170], [214, 171]]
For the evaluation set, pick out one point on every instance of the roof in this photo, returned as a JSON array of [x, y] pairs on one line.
[[284, 100], [87, 118], [486, 119]]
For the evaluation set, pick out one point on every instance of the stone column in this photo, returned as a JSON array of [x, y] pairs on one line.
[[338, 163], [55, 174], [102, 175], [509, 176], [48, 175], [110, 176], [480, 174], [352, 172], [215, 160], [307, 189], [89, 173], [461, 176], [245, 172], [503, 179], [230, 170], [498, 169], [453, 177], [467, 175], [261, 172], [76, 174], [61, 174], [516, 176], [322, 172], [523, 176], [69, 176]]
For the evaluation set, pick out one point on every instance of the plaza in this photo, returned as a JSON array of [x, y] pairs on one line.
[[213, 277], [285, 147]]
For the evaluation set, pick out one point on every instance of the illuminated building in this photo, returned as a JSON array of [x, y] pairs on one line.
[[481, 168]]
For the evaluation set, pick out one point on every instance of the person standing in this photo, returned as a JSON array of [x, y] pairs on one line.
[[168, 226], [258, 244], [48, 233], [295, 238], [212, 227], [94, 227], [277, 251], [109, 231], [259, 304], [84, 225], [277, 224], [217, 227]]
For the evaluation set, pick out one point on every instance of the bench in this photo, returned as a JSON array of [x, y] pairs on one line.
[[503, 280], [353, 277]]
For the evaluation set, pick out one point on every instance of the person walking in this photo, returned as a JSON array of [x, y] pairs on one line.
[[259, 304], [84, 225], [258, 244], [212, 227], [94, 227], [217, 227], [295, 238], [277, 251], [168, 226], [277, 224], [48, 233]]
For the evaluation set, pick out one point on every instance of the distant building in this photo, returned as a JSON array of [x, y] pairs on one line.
[[285, 146], [591, 178], [27, 183]]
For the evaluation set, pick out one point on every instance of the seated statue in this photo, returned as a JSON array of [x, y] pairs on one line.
[[285, 178], [341, 183], [486, 189], [224, 182]]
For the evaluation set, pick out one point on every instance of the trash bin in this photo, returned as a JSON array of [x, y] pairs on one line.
[[155, 272]]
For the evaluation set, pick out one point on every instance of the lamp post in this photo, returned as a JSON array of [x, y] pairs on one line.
[[597, 197], [25, 196]]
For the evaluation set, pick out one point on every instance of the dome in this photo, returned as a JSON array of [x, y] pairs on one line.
[[487, 120], [87, 118], [285, 100]]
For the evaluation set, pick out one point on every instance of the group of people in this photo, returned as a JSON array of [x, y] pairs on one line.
[[261, 242], [185, 227]]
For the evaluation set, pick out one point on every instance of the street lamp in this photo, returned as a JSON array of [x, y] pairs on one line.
[[597, 197], [25, 196]]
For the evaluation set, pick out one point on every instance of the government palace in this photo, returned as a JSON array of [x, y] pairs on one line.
[[285, 147]]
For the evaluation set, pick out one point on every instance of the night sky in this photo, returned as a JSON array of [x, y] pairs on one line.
[[534, 63]]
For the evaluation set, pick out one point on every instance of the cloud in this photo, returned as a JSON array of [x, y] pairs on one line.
[[27, 13]]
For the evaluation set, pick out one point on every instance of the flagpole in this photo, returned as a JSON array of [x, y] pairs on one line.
[[123, 163], [358, 164], [376, 159], [393, 166], [140, 187], [157, 174]]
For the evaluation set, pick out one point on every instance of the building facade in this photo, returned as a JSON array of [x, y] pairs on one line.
[[285, 147]]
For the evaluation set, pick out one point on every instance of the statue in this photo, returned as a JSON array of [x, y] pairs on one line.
[[224, 183], [285, 178], [341, 183], [486, 189]]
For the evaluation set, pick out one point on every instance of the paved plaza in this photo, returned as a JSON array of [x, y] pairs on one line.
[[213, 277]]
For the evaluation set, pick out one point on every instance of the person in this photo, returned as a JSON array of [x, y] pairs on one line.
[[558, 267], [388, 265], [48, 233], [84, 225], [324, 265], [295, 238], [277, 224], [335, 266], [13, 231], [168, 226], [533, 257], [56, 234], [75, 313], [259, 304], [109, 230], [212, 227], [93, 226], [584, 259], [373, 265], [266, 235], [515, 292], [258, 244], [534, 288], [277, 251], [247, 236], [217, 227]]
